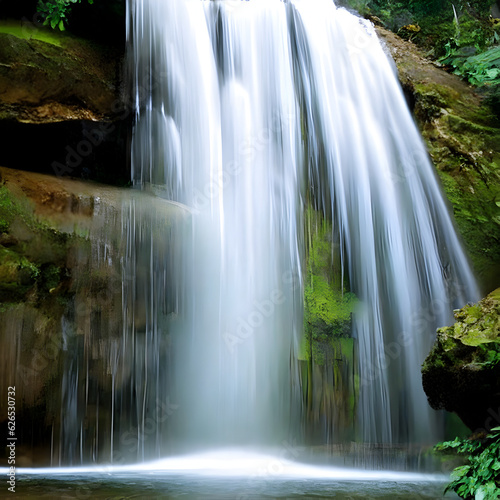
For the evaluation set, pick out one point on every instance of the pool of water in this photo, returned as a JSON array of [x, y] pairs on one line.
[[226, 475]]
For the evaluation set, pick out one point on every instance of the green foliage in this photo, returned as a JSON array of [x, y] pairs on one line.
[[462, 35], [56, 12], [491, 355], [51, 276], [421, 8], [480, 69], [480, 477], [445, 29]]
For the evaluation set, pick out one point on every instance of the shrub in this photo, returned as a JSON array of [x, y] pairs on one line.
[[480, 477], [56, 12]]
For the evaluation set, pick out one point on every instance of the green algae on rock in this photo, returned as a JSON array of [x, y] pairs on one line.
[[462, 372], [328, 303], [328, 361]]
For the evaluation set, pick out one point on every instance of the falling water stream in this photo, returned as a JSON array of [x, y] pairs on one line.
[[242, 108], [245, 111]]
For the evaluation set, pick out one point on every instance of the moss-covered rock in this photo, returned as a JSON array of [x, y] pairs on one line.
[[17, 275], [62, 249], [328, 351], [462, 372], [56, 78], [462, 134], [328, 303]]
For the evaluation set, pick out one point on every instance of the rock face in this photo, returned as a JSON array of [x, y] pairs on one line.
[[327, 356], [463, 138], [61, 95], [462, 372], [43, 82], [62, 278]]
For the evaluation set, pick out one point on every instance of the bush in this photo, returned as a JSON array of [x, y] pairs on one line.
[[480, 477], [56, 12], [477, 69]]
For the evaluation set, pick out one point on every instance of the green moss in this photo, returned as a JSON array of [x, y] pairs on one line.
[[329, 307], [33, 255], [17, 275], [476, 213], [461, 126], [8, 209], [474, 340], [328, 303], [30, 31]]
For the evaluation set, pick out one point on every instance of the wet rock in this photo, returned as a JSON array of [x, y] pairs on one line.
[[462, 372], [462, 135], [42, 82]]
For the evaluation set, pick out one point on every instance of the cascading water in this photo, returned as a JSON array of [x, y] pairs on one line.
[[243, 110], [220, 141], [371, 173]]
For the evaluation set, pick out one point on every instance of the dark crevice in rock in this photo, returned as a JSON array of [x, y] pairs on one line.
[[82, 149]]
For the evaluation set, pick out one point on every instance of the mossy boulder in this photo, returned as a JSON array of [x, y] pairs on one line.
[[462, 372]]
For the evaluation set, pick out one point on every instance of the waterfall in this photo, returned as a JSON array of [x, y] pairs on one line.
[[217, 129], [245, 112], [372, 175]]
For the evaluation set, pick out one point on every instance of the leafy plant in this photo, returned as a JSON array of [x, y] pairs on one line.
[[480, 477], [56, 12], [477, 69]]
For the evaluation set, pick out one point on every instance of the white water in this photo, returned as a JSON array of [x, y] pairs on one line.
[[227, 144], [371, 172], [236, 463], [242, 111]]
